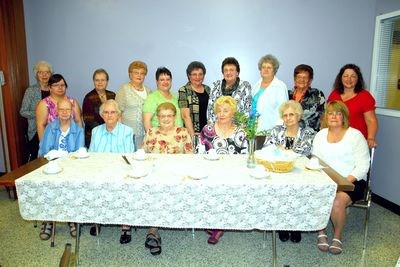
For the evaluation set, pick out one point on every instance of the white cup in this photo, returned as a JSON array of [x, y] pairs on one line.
[[82, 152], [138, 170], [314, 163], [140, 154], [52, 166], [212, 152]]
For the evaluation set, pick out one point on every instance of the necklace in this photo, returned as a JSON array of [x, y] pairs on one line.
[[103, 97]]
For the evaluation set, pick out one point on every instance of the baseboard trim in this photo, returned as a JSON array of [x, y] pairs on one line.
[[386, 203]]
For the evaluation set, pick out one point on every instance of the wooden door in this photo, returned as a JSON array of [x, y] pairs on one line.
[[13, 62]]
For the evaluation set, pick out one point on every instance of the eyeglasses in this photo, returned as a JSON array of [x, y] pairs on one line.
[[335, 113], [112, 112], [141, 73], [58, 85], [64, 109], [169, 116], [44, 72], [302, 78], [100, 80]]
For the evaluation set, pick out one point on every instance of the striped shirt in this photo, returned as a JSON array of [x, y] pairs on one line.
[[119, 140]]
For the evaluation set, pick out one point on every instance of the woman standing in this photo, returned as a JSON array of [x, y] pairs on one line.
[[311, 99], [33, 94], [131, 97], [193, 98], [230, 85], [349, 88], [345, 150], [46, 111], [92, 102], [268, 94]]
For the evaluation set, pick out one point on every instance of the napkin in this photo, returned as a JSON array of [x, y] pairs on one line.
[[54, 154]]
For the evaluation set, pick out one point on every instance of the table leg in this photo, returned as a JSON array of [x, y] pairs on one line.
[[193, 233], [274, 248], [78, 234]]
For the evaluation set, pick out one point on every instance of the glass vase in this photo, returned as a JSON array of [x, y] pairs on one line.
[[251, 160]]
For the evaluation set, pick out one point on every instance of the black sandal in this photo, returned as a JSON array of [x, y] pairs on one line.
[[153, 242], [72, 229], [125, 235], [45, 230]]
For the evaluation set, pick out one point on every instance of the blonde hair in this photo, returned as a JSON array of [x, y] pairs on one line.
[[291, 104], [340, 107], [137, 65], [166, 106], [230, 101]]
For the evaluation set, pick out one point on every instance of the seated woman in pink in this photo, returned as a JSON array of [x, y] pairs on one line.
[[166, 138]]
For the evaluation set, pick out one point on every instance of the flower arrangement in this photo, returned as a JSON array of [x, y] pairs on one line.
[[248, 123]]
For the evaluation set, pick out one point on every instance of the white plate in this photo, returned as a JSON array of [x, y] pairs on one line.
[[314, 168], [138, 175], [82, 156], [197, 176], [45, 171], [259, 175], [140, 159], [208, 157]]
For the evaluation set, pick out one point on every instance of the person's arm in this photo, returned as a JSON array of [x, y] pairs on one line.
[[28, 107], [361, 156], [77, 113], [147, 116], [187, 119], [372, 127], [188, 145], [41, 118], [120, 97]]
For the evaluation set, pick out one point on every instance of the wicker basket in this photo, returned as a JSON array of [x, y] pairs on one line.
[[277, 166]]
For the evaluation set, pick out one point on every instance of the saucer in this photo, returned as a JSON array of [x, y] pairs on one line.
[[198, 176], [135, 157], [46, 171], [208, 157], [82, 156], [259, 174], [138, 175], [314, 168]]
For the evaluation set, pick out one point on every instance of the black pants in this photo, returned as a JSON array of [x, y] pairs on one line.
[[33, 148]]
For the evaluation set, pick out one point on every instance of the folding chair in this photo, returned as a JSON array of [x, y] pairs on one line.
[[365, 203]]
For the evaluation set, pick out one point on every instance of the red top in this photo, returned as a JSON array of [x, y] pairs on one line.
[[358, 105]]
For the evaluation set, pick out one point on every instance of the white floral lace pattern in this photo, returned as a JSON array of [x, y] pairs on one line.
[[98, 189]]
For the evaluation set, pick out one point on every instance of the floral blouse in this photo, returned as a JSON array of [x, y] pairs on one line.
[[235, 144], [241, 93], [313, 104], [157, 142], [302, 143]]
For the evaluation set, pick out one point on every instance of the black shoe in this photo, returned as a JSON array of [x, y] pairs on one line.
[[283, 236], [125, 236], [295, 236], [93, 230]]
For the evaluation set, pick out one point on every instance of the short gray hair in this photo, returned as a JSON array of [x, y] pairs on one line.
[[42, 63], [271, 60], [110, 102], [291, 104]]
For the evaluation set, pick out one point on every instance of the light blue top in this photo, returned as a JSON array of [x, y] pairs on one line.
[[74, 139], [119, 140]]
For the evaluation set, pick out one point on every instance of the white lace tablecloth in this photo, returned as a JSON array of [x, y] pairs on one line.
[[98, 190]]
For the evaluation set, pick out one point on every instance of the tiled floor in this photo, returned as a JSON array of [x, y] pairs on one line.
[[21, 246]]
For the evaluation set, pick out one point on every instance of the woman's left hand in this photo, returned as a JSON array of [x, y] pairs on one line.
[[371, 142]]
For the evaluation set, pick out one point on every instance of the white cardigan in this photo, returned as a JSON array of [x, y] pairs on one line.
[[269, 102], [349, 156]]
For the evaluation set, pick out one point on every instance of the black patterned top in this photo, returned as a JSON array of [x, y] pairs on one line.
[[301, 144], [197, 104], [313, 104]]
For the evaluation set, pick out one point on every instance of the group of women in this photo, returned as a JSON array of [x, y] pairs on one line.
[[163, 122]]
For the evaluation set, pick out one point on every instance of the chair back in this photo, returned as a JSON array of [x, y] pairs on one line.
[[367, 193], [134, 143]]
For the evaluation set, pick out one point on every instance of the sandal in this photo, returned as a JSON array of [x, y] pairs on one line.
[[45, 230], [125, 235], [153, 242], [323, 242], [215, 236], [336, 246], [72, 229]]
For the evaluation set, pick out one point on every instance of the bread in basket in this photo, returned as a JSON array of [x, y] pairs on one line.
[[276, 159]]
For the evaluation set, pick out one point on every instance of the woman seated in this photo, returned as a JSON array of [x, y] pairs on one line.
[[344, 149], [170, 139], [61, 134], [225, 138], [291, 136]]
